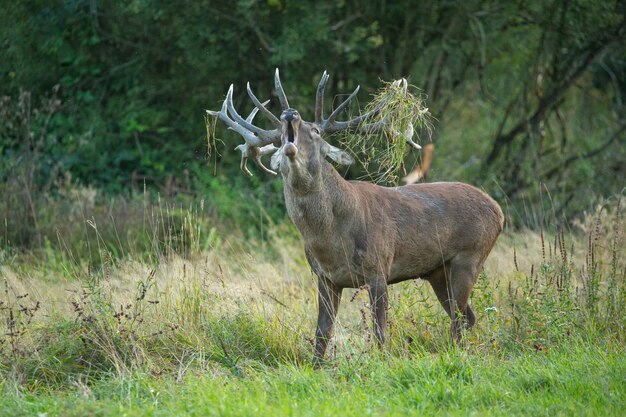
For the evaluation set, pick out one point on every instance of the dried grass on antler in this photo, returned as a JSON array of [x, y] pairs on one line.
[[402, 115]]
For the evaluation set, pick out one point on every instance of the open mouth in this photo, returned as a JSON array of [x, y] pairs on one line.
[[291, 137], [291, 123]]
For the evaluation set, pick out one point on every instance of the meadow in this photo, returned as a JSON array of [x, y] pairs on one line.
[[172, 313]]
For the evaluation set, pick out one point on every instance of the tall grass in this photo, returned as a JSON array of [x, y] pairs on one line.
[[218, 303]]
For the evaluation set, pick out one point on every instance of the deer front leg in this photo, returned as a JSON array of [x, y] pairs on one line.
[[329, 296], [378, 303]]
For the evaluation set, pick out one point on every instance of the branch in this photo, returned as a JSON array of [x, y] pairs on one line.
[[263, 40], [548, 102], [592, 153]]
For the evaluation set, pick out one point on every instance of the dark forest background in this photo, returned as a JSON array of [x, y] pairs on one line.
[[103, 103]]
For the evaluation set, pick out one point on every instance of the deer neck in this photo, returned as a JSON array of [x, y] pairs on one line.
[[314, 195]]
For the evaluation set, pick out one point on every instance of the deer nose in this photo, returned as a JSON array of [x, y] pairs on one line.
[[290, 115]]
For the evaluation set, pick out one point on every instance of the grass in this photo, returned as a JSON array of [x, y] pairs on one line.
[[581, 381], [225, 329], [404, 116]]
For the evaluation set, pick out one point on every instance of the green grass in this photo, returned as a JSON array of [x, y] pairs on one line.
[[573, 380], [226, 330]]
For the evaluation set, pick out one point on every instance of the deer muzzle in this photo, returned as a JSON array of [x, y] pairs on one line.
[[290, 120]]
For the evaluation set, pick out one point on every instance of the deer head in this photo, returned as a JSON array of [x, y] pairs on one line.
[[296, 146]]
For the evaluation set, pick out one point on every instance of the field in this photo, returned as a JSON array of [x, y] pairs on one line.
[[207, 322]]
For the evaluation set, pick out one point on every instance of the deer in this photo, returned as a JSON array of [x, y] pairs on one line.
[[361, 235]]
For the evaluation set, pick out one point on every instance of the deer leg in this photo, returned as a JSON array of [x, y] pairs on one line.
[[329, 296], [464, 271], [452, 285], [439, 280], [378, 302]]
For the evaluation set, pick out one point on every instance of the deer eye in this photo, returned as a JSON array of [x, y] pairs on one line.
[[315, 130]]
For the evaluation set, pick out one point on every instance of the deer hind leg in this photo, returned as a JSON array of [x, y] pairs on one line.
[[329, 296], [452, 285]]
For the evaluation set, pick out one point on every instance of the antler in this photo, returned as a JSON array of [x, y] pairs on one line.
[[258, 142], [331, 125], [359, 123], [254, 152]]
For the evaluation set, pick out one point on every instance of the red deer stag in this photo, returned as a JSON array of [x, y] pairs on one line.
[[357, 234]]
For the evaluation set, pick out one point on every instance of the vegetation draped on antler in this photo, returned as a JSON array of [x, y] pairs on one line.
[[402, 114]]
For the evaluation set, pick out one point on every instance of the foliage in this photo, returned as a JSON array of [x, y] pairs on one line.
[[523, 93], [402, 113]]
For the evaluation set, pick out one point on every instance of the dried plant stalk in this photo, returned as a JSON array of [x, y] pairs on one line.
[[403, 115]]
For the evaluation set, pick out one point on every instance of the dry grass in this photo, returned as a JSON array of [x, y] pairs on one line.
[[404, 115], [237, 277], [246, 304]]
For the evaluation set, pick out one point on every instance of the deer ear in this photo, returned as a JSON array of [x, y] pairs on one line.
[[336, 154]]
